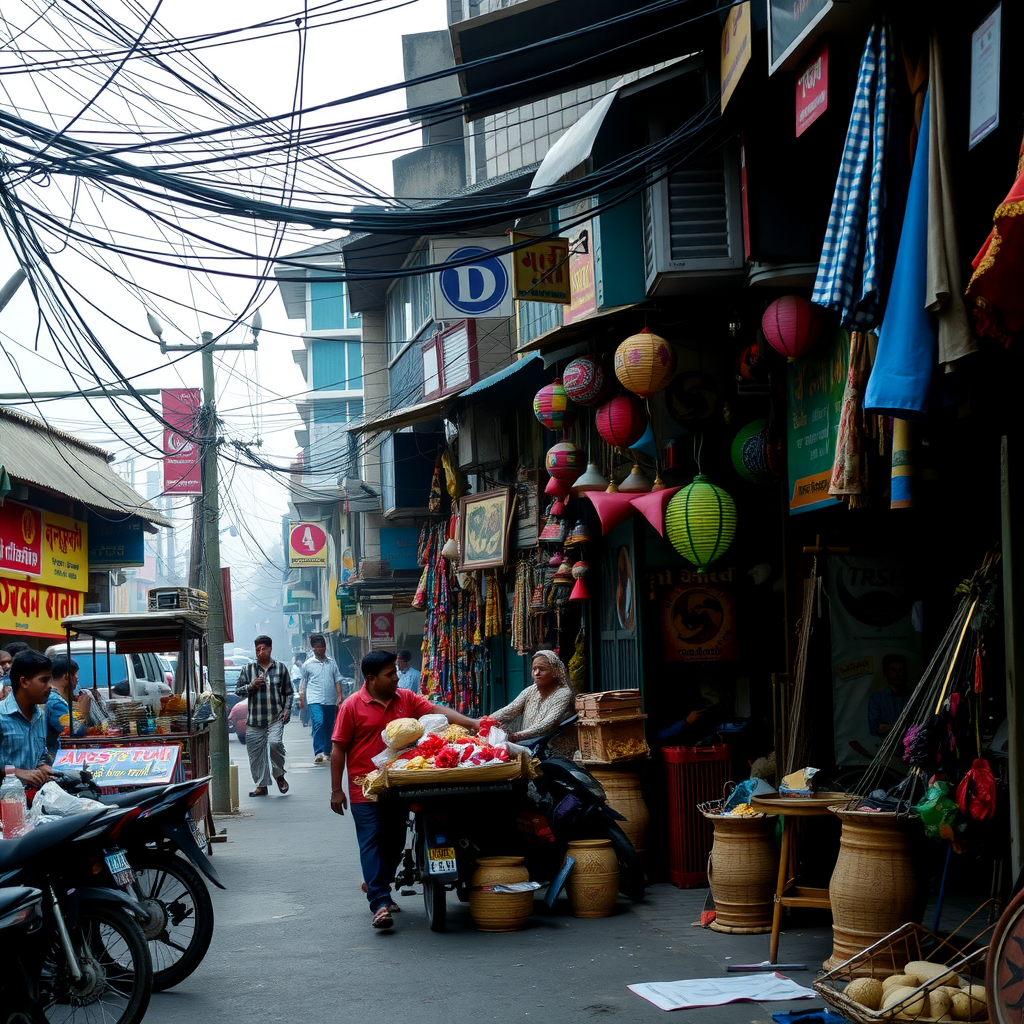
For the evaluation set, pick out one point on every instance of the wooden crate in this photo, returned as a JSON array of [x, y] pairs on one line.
[[609, 705], [608, 742], [166, 599]]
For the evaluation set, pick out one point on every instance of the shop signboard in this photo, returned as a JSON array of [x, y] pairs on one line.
[[36, 609], [735, 50], [51, 548], [986, 43], [583, 283], [474, 282], [123, 766], [116, 545], [382, 629], [307, 545], [182, 467], [812, 90], [876, 650], [541, 269], [399, 546], [789, 22], [815, 386], [696, 614]]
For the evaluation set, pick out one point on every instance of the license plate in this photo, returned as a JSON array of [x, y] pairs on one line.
[[118, 866], [197, 832], [441, 860]]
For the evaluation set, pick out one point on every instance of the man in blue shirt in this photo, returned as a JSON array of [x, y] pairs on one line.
[[23, 720], [408, 674], [320, 692]]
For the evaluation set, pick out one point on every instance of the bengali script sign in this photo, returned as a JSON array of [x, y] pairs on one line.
[[36, 609], [123, 766], [50, 547]]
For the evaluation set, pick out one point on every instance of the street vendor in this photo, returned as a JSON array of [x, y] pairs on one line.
[[548, 701], [23, 720], [380, 827]]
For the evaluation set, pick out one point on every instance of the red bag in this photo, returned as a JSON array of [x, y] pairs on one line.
[[976, 794]]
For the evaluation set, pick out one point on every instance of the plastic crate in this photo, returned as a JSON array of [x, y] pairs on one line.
[[693, 775]]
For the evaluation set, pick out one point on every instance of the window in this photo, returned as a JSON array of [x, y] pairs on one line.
[[328, 307], [408, 307], [449, 360], [337, 365]]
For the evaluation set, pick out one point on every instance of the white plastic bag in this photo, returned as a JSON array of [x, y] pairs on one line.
[[434, 725], [51, 799]]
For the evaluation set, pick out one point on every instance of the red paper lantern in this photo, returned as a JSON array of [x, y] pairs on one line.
[[621, 421], [565, 461], [791, 325], [584, 381], [551, 405]]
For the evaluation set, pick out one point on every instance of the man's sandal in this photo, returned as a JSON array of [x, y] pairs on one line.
[[383, 918], [282, 785], [260, 791]]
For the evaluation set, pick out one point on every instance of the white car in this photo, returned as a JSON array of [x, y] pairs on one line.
[[137, 677]]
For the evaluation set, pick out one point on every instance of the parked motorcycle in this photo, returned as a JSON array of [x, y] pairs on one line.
[[89, 963], [21, 916]]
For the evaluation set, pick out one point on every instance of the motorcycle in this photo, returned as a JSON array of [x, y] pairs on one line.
[[21, 916], [180, 918], [89, 962]]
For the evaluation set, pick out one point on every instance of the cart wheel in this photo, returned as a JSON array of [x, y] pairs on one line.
[[435, 900], [1004, 988]]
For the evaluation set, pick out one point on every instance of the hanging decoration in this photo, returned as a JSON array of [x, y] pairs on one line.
[[578, 663], [652, 506], [493, 625], [621, 421], [749, 452], [552, 406], [700, 522], [565, 462], [556, 488], [584, 381], [450, 549], [522, 621], [791, 325], [749, 364], [579, 590], [611, 509], [644, 363], [638, 482], [592, 480]]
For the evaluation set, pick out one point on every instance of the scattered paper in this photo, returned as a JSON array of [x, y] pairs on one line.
[[688, 995]]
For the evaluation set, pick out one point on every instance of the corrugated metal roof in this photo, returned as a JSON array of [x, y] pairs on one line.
[[54, 461]]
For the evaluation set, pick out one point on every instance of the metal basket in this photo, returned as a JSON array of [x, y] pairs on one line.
[[891, 954]]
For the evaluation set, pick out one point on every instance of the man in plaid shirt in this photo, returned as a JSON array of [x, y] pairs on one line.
[[268, 687]]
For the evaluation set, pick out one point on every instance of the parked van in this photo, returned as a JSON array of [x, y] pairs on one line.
[[137, 677]]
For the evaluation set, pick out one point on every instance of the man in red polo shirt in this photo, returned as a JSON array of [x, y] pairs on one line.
[[380, 827]]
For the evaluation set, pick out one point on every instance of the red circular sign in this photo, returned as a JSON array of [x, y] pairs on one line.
[[307, 539]]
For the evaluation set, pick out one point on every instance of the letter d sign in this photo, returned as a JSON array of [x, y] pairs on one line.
[[477, 285]]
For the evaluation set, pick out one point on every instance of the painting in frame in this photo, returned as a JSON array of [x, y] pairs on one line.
[[483, 529]]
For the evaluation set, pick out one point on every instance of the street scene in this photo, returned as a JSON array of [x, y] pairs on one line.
[[511, 504]]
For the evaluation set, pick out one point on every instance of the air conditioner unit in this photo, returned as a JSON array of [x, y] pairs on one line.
[[693, 225], [483, 441]]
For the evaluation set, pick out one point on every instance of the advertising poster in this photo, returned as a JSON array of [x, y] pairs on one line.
[[307, 545], [123, 766], [697, 614], [876, 652], [182, 467]]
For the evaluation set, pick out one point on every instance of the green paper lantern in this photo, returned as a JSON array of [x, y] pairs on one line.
[[742, 455], [700, 522]]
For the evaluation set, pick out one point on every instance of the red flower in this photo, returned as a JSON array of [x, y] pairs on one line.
[[447, 758]]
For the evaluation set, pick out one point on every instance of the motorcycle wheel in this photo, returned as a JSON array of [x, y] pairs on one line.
[[117, 975], [180, 912], [435, 902]]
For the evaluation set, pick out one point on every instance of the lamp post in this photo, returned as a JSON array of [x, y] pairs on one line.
[[219, 756]]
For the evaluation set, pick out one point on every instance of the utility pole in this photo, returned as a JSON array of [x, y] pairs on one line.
[[220, 759]]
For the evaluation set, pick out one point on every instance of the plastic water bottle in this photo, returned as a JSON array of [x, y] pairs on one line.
[[13, 808]]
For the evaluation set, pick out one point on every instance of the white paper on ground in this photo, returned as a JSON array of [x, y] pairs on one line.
[[687, 995]]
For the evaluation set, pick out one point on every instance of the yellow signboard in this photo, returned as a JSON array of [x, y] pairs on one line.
[[541, 270], [50, 548], [35, 609], [735, 54]]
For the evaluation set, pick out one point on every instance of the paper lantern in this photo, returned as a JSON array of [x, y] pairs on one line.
[[584, 382], [621, 421], [700, 522], [791, 325], [551, 405], [750, 453], [592, 480], [565, 461], [644, 363]]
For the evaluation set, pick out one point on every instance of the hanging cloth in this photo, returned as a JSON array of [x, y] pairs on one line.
[[850, 468], [942, 295], [903, 468], [849, 277], [901, 378], [994, 291]]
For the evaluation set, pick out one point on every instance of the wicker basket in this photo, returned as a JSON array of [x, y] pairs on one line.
[[376, 782], [889, 956]]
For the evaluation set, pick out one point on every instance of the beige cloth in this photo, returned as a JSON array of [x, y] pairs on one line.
[[944, 292]]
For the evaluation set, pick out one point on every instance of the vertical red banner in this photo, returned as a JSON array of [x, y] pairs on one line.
[[182, 471]]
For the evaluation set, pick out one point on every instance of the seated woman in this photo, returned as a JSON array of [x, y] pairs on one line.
[[544, 704], [82, 710]]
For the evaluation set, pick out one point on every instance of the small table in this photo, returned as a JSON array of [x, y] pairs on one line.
[[787, 892]]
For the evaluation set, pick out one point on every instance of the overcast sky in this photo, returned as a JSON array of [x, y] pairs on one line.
[[252, 390]]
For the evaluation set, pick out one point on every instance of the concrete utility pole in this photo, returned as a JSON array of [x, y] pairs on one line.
[[220, 759]]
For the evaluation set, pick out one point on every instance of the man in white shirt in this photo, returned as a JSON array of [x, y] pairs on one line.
[[320, 693], [408, 677]]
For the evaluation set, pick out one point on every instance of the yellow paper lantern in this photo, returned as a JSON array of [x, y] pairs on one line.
[[645, 363]]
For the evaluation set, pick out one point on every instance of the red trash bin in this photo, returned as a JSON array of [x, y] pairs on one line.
[[693, 775]]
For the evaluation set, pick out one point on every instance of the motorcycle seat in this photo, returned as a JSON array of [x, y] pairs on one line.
[[14, 853]]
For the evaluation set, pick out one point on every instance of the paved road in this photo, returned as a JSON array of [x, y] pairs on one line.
[[293, 941]]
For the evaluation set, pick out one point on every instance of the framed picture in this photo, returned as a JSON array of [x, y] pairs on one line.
[[483, 529]]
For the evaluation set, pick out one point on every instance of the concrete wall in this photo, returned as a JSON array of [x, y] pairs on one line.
[[375, 403]]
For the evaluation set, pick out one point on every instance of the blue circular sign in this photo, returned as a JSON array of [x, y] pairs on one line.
[[474, 288]]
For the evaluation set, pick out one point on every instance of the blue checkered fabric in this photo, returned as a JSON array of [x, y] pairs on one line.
[[849, 272]]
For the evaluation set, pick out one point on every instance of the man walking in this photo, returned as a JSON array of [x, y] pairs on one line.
[[268, 687], [320, 693]]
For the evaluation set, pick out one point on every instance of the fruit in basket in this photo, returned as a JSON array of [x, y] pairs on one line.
[[916, 1007], [866, 991], [969, 1004], [402, 732], [923, 970], [940, 1002], [897, 980]]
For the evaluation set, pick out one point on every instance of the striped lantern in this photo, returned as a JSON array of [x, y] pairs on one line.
[[565, 462], [584, 381], [749, 453], [621, 421], [645, 363], [700, 522], [791, 325], [551, 405]]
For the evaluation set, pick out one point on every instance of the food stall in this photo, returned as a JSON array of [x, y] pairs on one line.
[[144, 719]]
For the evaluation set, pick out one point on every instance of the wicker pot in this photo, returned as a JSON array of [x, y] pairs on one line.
[[593, 885], [500, 911], [744, 868], [622, 789], [874, 887]]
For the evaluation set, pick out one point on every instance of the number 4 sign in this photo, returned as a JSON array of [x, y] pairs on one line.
[[307, 544]]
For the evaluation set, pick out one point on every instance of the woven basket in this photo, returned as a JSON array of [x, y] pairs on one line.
[[889, 956], [377, 782]]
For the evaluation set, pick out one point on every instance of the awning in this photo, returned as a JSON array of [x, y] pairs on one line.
[[595, 326], [53, 461], [411, 414], [507, 375]]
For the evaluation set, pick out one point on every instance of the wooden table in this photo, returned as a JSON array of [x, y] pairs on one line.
[[787, 892]]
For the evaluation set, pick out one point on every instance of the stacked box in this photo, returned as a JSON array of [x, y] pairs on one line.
[[610, 727]]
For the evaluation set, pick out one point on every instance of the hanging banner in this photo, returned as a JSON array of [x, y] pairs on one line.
[[36, 609], [541, 270], [49, 547], [123, 766], [812, 90], [876, 652], [696, 614], [307, 544], [182, 469], [582, 282]]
